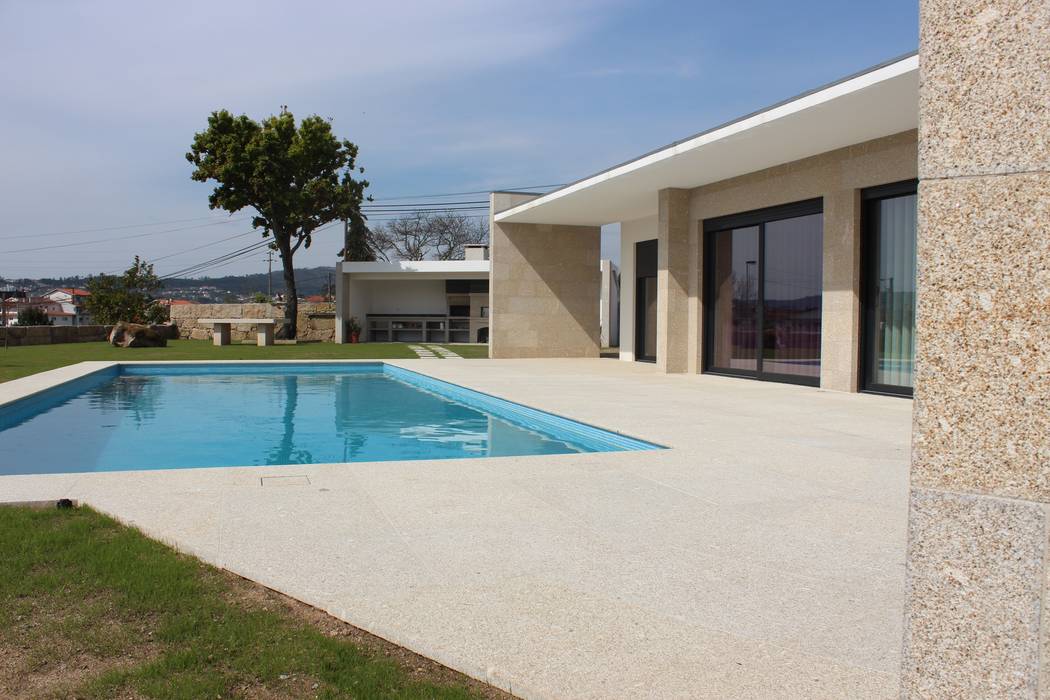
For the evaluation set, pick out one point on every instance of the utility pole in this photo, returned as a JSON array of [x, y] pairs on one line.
[[346, 239], [269, 274]]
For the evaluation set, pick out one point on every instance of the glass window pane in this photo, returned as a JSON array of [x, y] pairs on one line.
[[894, 298], [735, 286], [792, 287]]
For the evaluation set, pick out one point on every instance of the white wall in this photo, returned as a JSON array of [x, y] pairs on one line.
[[389, 296], [405, 296], [631, 232], [610, 305]]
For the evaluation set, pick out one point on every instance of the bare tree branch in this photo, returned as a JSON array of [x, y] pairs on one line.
[[428, 236]]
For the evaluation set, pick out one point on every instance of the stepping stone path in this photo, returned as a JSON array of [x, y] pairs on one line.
[[422, 352], [445, 353], [432, 352]]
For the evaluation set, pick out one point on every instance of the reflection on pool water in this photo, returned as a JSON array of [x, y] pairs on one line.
[[216, 415]]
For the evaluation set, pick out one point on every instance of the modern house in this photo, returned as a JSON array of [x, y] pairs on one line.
[[431, 301], [779, 246]]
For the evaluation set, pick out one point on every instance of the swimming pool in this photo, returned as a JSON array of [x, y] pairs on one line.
[[178, 416]]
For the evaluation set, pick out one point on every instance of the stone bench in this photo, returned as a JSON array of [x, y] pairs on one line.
[[220, 329]]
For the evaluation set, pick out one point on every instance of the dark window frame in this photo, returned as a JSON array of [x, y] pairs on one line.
[[759, 218], [868, 274]]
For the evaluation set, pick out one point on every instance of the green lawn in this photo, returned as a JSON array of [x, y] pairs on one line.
[[92, 609], [23, 360]]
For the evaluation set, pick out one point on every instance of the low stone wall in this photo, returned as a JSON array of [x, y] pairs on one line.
[[316, 321], [51, 335]]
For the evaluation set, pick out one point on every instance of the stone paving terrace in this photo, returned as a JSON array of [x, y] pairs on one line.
[[761, 555]]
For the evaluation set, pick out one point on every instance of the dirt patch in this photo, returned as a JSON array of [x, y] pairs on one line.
[[258, 597], [45, 653]]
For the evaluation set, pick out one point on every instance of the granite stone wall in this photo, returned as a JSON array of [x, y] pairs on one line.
[[546, 287], [316, 321], [51, 335], [674, 280], [976, 619]]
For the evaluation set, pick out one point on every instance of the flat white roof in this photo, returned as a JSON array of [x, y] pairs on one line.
[[878, 102], [418, 269]]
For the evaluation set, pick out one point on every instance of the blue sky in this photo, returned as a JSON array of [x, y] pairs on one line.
[[99, 100]]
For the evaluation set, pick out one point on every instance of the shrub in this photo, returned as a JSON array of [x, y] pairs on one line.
[[33, 316]]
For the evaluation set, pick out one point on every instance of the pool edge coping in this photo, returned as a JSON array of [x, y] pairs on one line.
[[51, 379]]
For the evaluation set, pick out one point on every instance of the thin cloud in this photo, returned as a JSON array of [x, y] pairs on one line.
[[685, 70]]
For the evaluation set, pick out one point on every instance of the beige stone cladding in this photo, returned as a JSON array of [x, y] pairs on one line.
[[673, 281], [316, 320], [838, 177], [976, 623], [545, 288]]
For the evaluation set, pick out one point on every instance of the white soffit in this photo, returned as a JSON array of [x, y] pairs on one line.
[[878, 102], [418, 269]]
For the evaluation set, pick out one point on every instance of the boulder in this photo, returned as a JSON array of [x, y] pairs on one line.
[[135, 335], [167, 330]]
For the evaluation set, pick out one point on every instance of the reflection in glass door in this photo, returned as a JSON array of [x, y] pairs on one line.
[[791, 296], [889, 288], [735, 309], [764, 291]]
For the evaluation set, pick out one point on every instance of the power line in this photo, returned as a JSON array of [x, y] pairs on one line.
[[110, 240], [425, 210], [230, 257], [115, 228], [397, 217], [206, 245], [377, 213], [364, 206], [455, 194], [426, 204], [198, 267]]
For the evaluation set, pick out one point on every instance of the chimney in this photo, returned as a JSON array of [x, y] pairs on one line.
[[476, 251]]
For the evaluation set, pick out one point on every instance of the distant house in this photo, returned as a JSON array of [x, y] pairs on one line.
[[71, 301], [14, 304], [61, 318], [9, 305]]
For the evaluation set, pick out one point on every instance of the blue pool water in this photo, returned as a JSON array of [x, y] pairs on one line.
[[213, 415]]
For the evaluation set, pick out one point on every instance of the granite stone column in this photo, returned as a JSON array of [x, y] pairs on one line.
[[672, 281], [977, 615], [544, 288]]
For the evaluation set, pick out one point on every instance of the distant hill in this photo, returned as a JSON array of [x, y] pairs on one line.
[[310, 280]]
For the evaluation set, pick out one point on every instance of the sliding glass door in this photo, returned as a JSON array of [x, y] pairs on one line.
[[734, 280], [763, 293], [889, 288]]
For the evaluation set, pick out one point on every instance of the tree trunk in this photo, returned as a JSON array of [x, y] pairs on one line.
[[291, 297]]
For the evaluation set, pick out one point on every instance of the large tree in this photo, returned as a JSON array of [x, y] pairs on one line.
[[297, 179]]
